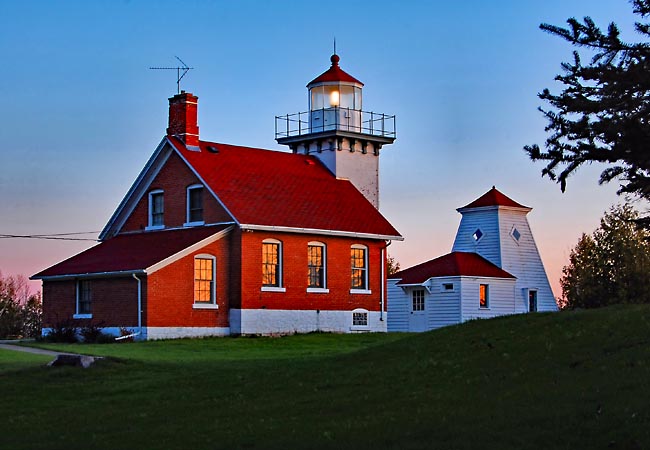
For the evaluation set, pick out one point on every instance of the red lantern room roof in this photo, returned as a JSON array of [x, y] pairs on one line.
[[494, 197], [334, 74]]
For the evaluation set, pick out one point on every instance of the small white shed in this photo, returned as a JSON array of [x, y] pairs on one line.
[[494, 269]]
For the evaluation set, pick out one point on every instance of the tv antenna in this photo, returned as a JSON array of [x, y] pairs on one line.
[[181, 71]]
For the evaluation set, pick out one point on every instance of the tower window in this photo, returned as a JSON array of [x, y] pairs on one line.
[[516, 235], [478, 234]]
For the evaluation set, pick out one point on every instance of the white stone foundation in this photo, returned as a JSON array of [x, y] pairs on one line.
[[279, 321]]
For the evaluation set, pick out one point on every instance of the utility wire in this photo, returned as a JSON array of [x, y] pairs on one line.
[[54, 236]]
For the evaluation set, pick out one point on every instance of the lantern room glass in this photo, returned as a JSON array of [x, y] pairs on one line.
[[335, 96]]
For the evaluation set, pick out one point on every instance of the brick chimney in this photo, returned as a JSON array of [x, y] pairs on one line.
[[183, 118]]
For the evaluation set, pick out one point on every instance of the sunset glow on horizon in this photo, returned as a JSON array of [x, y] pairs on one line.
[[83, 113]]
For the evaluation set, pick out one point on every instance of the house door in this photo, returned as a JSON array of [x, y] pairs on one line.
[[418, 317], [532, 301]]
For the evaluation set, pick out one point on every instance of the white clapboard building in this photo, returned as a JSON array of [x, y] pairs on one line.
[[494, 269]]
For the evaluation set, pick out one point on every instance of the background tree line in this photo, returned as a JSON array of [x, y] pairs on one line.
[[20, 310]]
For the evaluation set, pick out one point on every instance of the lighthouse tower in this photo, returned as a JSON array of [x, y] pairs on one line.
[[338, 132]]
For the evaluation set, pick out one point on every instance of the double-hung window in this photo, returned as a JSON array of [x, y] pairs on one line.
[[194, 205], [156, 209], [271, 265], [316, 266], [205, 286], [84, 300], [359, 268]]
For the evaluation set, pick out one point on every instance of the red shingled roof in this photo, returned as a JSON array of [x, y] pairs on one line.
[[273, 188], [451, 264], [494, 198], [130, 252], [334, 73]]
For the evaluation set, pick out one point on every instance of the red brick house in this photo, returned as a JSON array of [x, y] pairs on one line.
[[217, 239]]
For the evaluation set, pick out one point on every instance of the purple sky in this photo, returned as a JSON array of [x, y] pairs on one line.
[[82, 113]]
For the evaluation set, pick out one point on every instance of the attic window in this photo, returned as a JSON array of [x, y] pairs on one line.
[[447, 287], [516, 235], [478, 234]]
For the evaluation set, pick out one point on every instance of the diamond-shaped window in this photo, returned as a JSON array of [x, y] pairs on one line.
[[516, 234], [478, 234]]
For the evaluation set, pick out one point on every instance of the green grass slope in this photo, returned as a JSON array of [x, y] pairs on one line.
[[567, 380]]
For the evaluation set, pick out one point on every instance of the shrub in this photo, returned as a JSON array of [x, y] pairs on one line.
[[63, 331]]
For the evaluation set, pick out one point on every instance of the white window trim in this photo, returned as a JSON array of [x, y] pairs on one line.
[[367, 278], [213, 304], [323, 289], [76, 314], [360, 291], [360, 327], [187, 207], [150, 225], [273, 289], [311, 290], [280, 287]]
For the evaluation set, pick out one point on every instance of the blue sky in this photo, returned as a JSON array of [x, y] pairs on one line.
[[82, 113]]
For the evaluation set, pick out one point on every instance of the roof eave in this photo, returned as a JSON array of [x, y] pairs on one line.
[[353, 234], [69, 276]]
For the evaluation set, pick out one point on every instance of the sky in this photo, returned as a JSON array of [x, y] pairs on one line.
[[82, 112]]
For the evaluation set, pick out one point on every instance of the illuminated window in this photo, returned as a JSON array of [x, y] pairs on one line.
[[156, 209], [204, 279], [195, 204], [84, 298], [359, 263], [484, 296], [478, 234], [316, 265], [418, 300], [271, 263]]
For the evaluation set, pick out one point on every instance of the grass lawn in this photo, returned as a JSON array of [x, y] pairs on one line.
[[11, 361], [568, 380]]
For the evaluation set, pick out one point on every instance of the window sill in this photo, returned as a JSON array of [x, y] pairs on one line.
[[273, 289], [483, 308], [82, 316], [205, 306], [154, 227], [360, 291], [318, 291], [359, 328], [193, 224]]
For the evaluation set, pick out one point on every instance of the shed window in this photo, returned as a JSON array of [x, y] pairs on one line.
[[418, 300], [484, 296]]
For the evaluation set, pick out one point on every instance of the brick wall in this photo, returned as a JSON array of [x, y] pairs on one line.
[[295, 274], [114, 302], [170, 291], [173, 179]]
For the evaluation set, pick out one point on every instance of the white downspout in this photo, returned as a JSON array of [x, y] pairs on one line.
[[139, 303], [383, 280]]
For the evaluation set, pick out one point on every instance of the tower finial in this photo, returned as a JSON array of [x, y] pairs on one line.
[[335, 45]]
